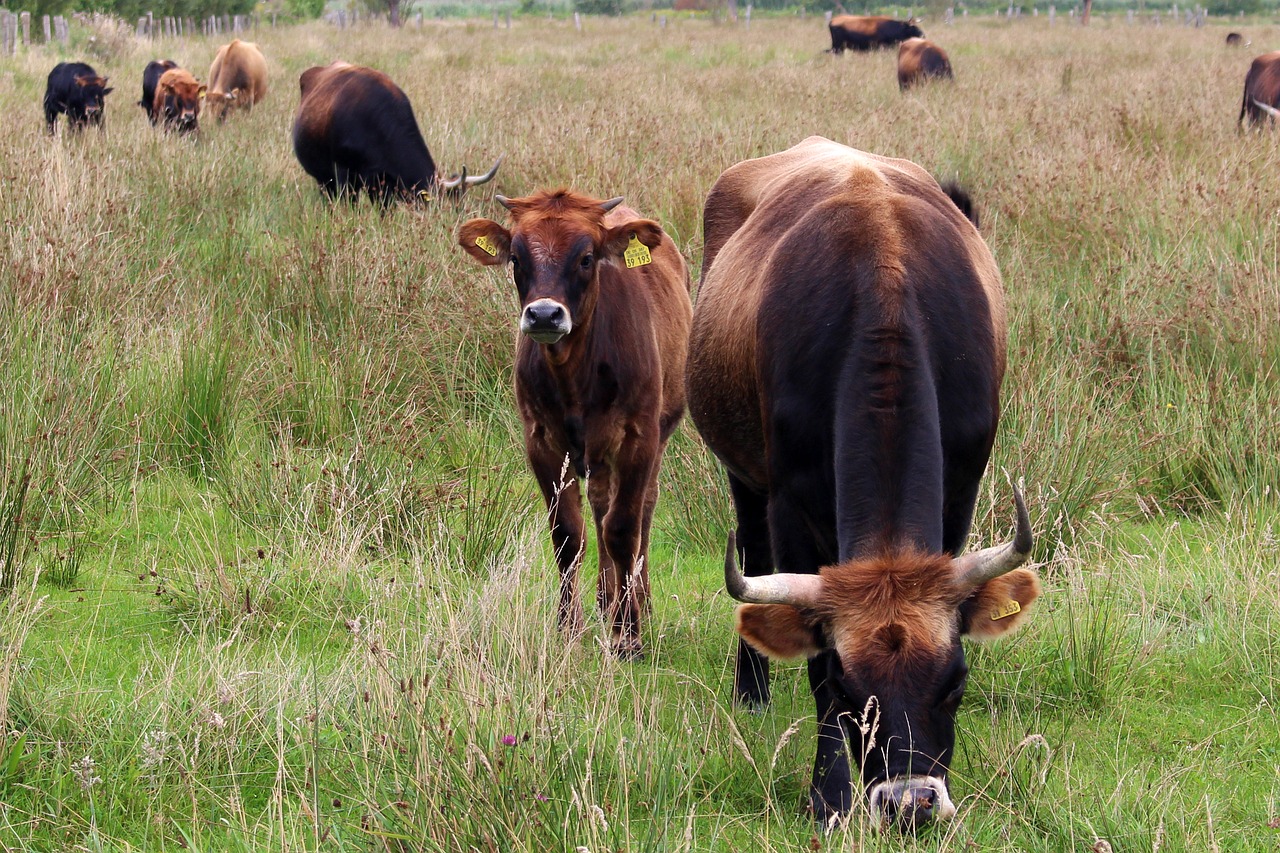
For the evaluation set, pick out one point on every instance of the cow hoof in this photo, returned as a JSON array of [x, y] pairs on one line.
[[629, 650]]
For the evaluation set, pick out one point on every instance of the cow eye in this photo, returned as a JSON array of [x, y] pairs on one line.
[[586, 261], [515, 263]]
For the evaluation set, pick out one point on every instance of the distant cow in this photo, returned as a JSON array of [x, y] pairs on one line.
[[1261, 90], [920, 60], [1236, 40], [177, 100], [76, 89], [150, 77], [237, 78], [864, 32], [845, 364], [355, 132], [599, 380]]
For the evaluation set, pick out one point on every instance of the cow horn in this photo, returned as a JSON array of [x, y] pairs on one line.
[[609, 205], [973, 570], [1271, 111], [453, 183], [486, 177], [502, 200], [794, 589]]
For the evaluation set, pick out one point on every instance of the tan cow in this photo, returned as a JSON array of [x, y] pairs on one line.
[[237, 78]]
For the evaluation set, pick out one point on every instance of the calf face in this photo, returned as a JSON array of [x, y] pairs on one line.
[[178, 97], [84, 100], [555, 251]]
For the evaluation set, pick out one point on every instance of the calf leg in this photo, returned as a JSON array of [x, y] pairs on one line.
[[626, 592], [564, 513]]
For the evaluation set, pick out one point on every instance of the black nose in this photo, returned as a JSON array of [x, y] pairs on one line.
[[914, 810], [544, 315]]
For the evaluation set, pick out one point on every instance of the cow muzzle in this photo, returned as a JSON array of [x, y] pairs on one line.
[[910, 802], [545, 321]]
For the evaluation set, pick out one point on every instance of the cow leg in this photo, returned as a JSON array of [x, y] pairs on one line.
[[564, 513], [600, 494], [626, 592], [831, 790], [755, 555]]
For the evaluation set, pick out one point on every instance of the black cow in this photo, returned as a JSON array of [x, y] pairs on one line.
[[864, 32], [845, 363], [355, 132], [150, 77], [76, 89]]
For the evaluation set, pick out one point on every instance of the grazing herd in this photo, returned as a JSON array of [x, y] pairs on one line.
[[843, 362]]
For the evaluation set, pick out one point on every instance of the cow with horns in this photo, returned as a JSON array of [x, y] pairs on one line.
[[845, 365], [599, 380], [355, 132], [1261, 90]]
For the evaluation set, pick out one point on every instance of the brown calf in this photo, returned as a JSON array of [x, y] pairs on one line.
[[177, 100], [599, 379], [237, 78], [919, 60]]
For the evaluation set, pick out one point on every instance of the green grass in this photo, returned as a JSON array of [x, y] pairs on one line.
[[282, 575]]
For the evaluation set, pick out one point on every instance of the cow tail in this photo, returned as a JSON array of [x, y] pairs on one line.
[[961, 199]]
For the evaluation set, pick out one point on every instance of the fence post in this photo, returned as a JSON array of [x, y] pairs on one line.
[[748, 16], [577, 22], [44, 22]]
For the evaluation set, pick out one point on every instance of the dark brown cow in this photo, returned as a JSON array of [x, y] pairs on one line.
[[177, 100], [919, 60], [355, 132], [864, 32], [1236, 40], [599, 380], [237, 78], [845, 366], [1261, 90], [150, 77]]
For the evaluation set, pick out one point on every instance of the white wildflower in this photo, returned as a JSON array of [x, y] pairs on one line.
[[83, 771]]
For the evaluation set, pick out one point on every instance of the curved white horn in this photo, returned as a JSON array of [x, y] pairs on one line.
[[1271, 111], [609, 205], [486, 177], [502, 200], [453, 183], [794, 589], [973, 570]]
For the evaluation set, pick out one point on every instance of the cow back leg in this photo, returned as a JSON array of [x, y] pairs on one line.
[[563, 500], [755, 555]]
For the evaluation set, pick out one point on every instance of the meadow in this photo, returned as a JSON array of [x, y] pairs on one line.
[[276, 577]]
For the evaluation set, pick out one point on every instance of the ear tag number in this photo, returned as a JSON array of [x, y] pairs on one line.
[[485, 243], [637, 254], [1005, 610]]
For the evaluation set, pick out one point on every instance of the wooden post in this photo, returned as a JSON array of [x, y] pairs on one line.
[[577, 22], [508, 19], [827, 17], [44, 22], [748, 16], [25, 18]]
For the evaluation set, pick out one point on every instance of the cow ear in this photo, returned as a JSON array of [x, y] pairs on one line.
[[202, 92], [486, 241], [1000, 605], [108, 90], [617, 239], [779, 631]]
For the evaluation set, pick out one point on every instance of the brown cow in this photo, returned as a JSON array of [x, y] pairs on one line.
[[864, 32], [919, 60], [845, 365], [177, 100], [237, 78], [1261, 90], [1237, 40], [599, 379]]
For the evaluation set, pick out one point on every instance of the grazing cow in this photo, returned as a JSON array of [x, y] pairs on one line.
[[76, 89], [599, 380], [177, 100], [1261, 90], [864, 32], [355, 131], [1236, 40], [920, 60], [150, 77], [237, 78], [845, 366]]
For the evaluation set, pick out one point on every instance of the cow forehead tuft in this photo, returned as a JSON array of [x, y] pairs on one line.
[[893, 611]]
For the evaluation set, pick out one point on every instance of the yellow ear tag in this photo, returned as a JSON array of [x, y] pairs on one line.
[[637, 253], [485, 243], [1005, 610]]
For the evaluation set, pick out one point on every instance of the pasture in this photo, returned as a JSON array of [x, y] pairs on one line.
[[283, 580]]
